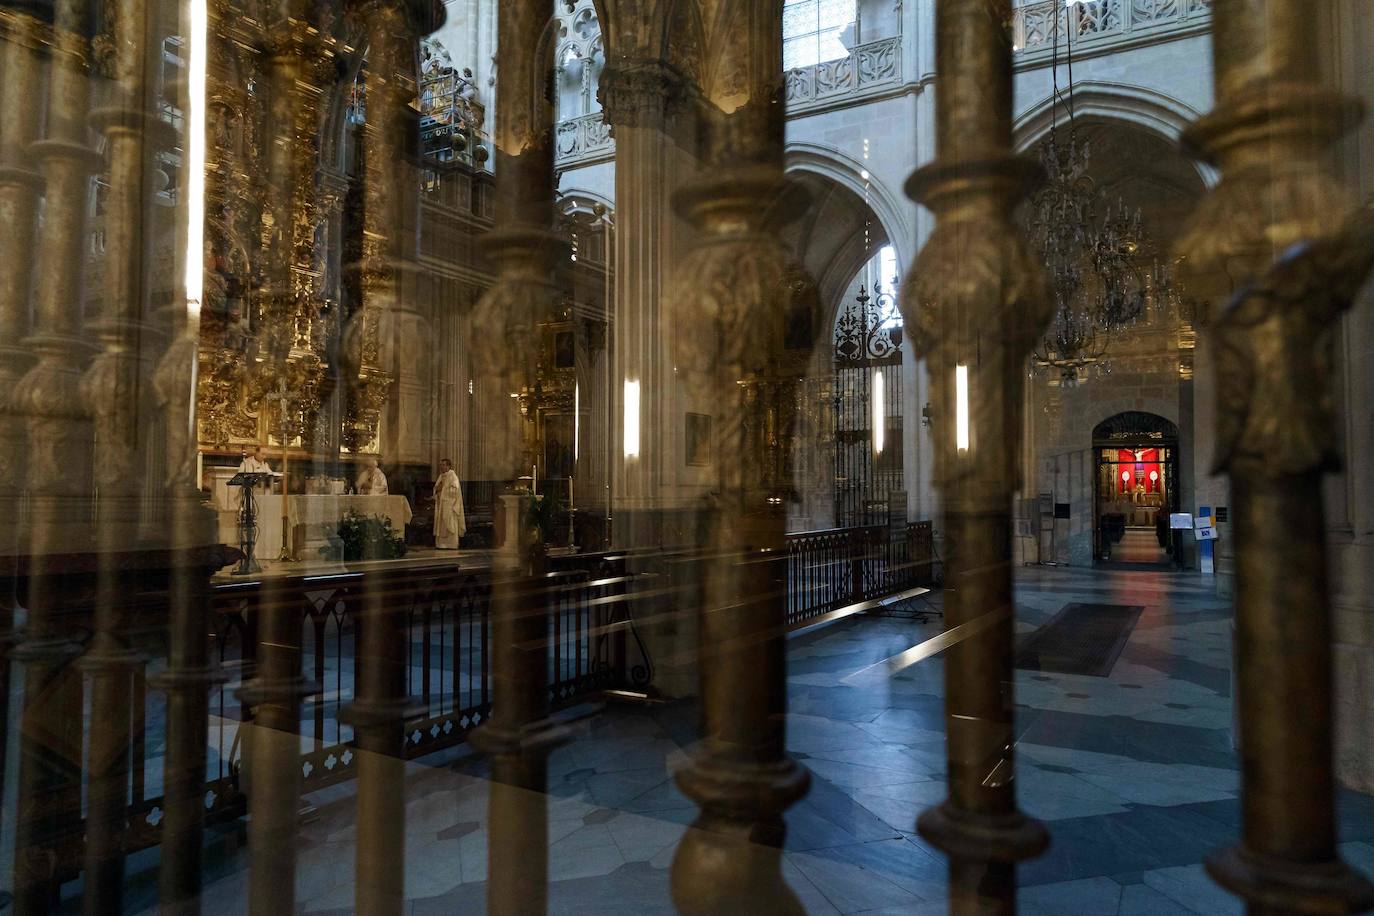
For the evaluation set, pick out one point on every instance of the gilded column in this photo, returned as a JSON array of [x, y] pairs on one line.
[[978, 301], [297, 58], [23, 35], [519, 734], [387, 91], [59, 475], [737, 289], [1275, 252]]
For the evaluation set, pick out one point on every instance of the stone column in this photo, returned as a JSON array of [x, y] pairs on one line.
[[22, 34], [640, 98], [977, 302], [733, 295], [505, 359], [59, 474], [295, 60], [1278, 255], [112, 388], [390, 193]]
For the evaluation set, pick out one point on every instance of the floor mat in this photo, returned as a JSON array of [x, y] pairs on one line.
[[1080, 639]]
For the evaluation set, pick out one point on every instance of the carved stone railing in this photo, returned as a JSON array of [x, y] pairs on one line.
[[1094, 24], [582, 140], [868, 68]]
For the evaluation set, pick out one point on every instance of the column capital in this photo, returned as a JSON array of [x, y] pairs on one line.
[[639, 92]]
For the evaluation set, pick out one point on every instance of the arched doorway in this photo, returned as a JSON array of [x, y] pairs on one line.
[[1135, 490], [851, 453]]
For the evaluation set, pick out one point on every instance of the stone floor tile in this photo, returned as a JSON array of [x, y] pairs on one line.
[[1190, 887]]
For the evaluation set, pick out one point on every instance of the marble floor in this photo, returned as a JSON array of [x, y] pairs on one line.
[[1134, 774]]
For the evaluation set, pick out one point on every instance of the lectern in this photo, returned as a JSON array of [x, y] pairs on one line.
[[248, 518]]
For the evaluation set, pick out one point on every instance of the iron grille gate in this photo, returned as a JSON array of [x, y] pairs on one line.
[[867, 397]]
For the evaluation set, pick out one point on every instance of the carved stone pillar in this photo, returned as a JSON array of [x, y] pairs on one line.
[[390, 188], [736, 290], [184, 533], [641, 100], [22, 34], [978, 302], [59, 475], [1274, 252], [378, 718], [505, 360], [112, 390]]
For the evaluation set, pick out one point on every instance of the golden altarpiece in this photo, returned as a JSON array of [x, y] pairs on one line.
[[336, 289]]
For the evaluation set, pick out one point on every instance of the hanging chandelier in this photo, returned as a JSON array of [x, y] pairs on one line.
[[1095, 257]]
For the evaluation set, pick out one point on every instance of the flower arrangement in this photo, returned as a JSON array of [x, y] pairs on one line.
[[361, 537]]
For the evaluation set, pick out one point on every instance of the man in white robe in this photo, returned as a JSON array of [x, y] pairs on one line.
[[256, 463], [371, 482], [449, 522]]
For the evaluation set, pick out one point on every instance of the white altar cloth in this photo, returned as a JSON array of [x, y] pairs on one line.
[[313, 517]]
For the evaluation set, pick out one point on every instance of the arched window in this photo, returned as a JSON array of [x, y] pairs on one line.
[[581, 58], [816, 31]]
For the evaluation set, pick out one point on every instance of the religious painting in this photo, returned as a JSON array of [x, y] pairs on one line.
[[564, 350], [560, 432], [698, 440]]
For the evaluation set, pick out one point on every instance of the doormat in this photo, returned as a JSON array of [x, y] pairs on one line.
[[1080, 639]]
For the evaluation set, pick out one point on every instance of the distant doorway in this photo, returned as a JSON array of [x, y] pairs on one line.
[[1135, 491]]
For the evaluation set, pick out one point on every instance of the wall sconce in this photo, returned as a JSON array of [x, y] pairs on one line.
[[961, 408], [631, 418], [879, 414], [196, 68]]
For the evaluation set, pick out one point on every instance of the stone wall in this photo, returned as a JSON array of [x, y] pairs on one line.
[[1144, 377]]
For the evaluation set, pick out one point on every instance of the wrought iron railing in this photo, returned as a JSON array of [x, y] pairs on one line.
[[869, 67], [831, 570], [593, 604], [1094, 23]]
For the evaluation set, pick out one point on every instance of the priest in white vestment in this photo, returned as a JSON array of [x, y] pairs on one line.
[[256, 463], [449, 523], [371, 482]]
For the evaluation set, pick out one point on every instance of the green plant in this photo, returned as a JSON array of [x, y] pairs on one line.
[[361, 537], [543, 514]]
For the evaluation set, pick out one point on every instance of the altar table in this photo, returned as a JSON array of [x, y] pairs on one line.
[[312, 518]]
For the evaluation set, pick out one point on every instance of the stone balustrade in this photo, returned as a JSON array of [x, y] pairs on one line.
[[867, 69], [583, 140], [1103, 23]]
